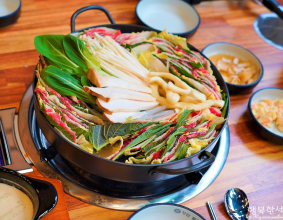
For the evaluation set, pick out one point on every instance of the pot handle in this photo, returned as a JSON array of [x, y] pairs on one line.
[[91, 7], [47, 196], [209, 159]]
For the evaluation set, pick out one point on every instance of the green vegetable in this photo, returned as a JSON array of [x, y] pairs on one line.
[[182, 119], [182, 151], [209, 131], [152, 145], [155, 143], [68, 53], [58, 127], [155, 149], [78, 130], [146, 142], [164, 129], [225, 107], [119, 129], [51, 47], [174, 71], [176, 68], [171, 139], [75, 50], [176, 40], [96, 138], [183, 71], [78, 72], [180, 69], [194, 63], [168, 147], [202, 122], [65, 84], [80, 107], [78, 52], [131, 46], [151, 62], [100, 134], [85, 81], [145, 135]]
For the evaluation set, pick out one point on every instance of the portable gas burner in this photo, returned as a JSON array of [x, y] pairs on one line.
[[23, 144]]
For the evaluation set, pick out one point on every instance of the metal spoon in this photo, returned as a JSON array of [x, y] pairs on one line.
[[237, 204]]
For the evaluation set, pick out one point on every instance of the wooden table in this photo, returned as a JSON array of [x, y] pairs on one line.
[[254, 164]]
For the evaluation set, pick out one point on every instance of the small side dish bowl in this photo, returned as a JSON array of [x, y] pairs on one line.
[[176, 16], [241, 53], [10, 11], [272, 134], [42, 194], [165, 211]]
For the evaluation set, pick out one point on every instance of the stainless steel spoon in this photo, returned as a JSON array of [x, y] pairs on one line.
[[237, 204]]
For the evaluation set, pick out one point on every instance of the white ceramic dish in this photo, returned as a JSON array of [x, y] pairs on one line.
[[272, 134], [8, 6], [176, 16], [9, 11], [237, 51], [165, 212]]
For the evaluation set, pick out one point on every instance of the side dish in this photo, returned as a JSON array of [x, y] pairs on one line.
[[145, 96], [15, 205], [269, 112], [234, 70]]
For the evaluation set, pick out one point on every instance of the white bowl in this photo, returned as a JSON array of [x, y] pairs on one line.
[[9, 11], [165, 212], [237, 51], [176, 16], [272, 134]]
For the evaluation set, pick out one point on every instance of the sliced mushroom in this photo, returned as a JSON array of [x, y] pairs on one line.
[[124, 105], [111, 93]]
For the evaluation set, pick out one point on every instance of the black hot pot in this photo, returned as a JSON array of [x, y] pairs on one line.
[[119, 171], [42, 194]]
